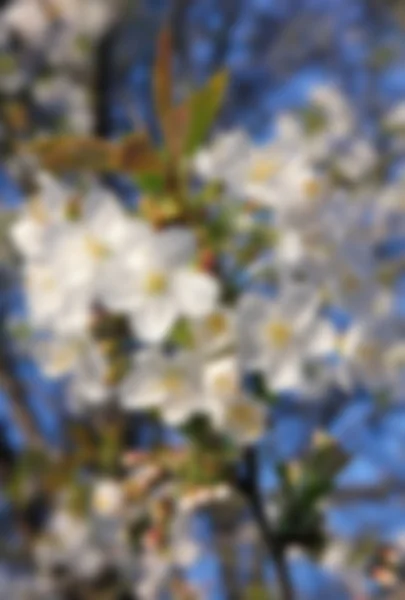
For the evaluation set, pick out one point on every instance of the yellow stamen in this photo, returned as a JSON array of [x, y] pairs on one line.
[[155, 283], [216, 323], [278, 333], [262, 170], [225, 384], [173, 381], [311, 188], [246, 418], [64, 357], [95, 248], [38, 211]]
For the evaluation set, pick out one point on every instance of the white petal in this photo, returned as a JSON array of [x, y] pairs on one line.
[[108, 221], [116, 287], [221, 379], [177, 412], [243, 421], [87, 386], [27, 236], [197, 293], [290, 249], [141, 391], [204, 164], [322, 340], [57, 356], [175, 246], [289, 377], [153, 321]]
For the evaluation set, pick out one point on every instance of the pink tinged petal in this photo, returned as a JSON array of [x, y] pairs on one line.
[[197, 293], [154, 320]]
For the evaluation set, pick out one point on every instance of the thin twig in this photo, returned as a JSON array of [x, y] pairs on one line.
[[251, 491], [16, 395]]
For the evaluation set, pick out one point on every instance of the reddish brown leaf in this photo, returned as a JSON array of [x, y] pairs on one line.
[[137, 155], [162, 76], [71, 153], [177, 129]]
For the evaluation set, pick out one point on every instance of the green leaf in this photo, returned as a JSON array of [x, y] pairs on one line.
[[327, 459], [182, 334], [8, 64], [78, 498], [109, 448], [205, 104], [151, 183], [313, 119]]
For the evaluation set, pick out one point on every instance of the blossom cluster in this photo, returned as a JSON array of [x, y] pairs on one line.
[[297, 287], [267, 272], [334, 220]]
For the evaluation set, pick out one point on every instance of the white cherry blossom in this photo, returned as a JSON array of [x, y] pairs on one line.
[[156, 283]]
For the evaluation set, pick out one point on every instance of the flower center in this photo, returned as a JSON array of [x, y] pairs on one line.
[[262, 170], [216, 324], [173, 381], [156, 283], [38, 211], [278, 333], [225, 384], [65, 357], [311, 188], [44, 283], [245, 417], [96, 249], [106, 500]]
